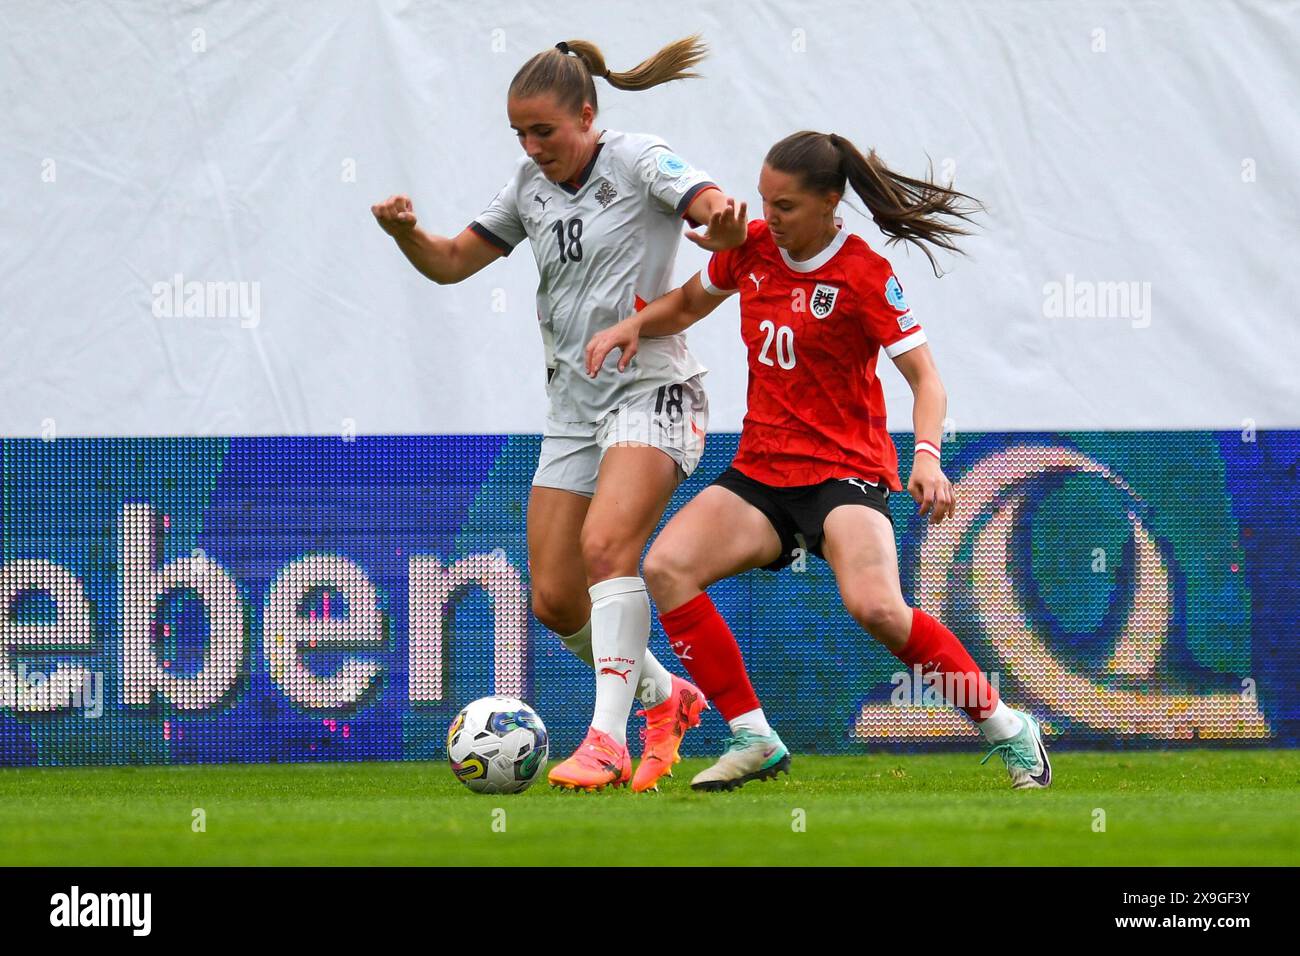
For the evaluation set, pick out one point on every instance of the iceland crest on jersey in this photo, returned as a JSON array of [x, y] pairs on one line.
[[823, 300]]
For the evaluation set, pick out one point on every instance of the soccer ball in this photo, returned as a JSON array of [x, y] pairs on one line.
[[497, 745]]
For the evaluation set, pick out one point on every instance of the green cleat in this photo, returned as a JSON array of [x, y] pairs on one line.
[[747, 757], [1025, 756]]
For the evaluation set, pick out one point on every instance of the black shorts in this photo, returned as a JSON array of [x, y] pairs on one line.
[[798, 513]]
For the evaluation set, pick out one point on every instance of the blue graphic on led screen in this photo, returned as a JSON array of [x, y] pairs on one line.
[[202, 600]]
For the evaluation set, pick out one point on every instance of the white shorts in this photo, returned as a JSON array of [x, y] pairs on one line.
[[672, 418]]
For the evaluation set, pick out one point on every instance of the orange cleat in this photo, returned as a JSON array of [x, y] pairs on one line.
[[599, 762], [665, 725]]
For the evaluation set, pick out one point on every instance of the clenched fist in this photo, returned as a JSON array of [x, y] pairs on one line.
[[395, 214]]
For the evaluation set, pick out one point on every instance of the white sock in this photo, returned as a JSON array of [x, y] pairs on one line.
[[656, 684], [1003, 724], [620, 631], [753, 720], [579, 643]]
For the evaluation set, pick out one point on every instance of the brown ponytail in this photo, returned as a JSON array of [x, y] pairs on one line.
[[570, 77], [904, 208]]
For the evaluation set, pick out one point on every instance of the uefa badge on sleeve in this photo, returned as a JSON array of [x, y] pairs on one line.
[[823, 300], [894, 294]]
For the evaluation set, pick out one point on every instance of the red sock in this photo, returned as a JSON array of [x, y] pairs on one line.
[[937, 649], [707, 649]]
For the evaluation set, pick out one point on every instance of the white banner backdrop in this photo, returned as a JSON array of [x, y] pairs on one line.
[[1138, 161]]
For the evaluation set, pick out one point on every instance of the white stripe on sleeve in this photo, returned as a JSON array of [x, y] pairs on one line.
[[709, 287], [906, 344]]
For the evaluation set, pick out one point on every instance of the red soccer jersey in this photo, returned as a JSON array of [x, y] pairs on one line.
[[814, 330]]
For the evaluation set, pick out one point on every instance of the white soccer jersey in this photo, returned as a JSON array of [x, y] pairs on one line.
[[603, 248]]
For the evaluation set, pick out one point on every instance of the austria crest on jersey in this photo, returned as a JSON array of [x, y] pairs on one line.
[[823, 299]]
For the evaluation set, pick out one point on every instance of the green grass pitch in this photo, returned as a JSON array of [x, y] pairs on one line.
[[1197, 807]]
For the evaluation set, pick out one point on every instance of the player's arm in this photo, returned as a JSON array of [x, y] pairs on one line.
[[669, 314], [438, 258], [927, 484], [727, 227], [690, 193]]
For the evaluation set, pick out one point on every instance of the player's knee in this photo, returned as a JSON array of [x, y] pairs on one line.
[[607, 555], [665, 572], [556, 613], [881, 616]]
